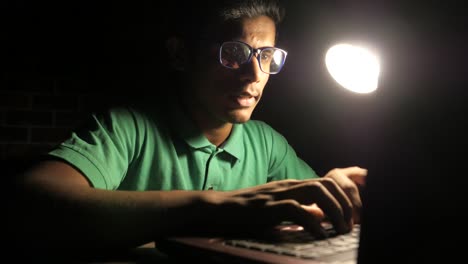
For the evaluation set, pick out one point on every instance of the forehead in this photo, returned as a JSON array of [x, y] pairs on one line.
[[258, 29]]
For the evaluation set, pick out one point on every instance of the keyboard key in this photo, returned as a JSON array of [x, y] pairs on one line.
[[301, 244]]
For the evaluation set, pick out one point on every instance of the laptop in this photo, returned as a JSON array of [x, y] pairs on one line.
[[287, 243]]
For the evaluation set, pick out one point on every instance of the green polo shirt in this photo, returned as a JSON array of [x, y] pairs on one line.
[[133, 149]]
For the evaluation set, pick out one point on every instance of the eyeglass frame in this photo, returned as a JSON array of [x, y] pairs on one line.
[[252, 52]]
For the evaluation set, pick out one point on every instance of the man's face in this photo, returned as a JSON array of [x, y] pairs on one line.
[[229, 96]]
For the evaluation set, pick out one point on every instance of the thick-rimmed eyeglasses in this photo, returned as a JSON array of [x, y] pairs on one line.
[[232, 54]]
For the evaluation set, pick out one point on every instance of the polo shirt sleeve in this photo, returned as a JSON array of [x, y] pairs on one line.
[[284, 162], [103, 148]]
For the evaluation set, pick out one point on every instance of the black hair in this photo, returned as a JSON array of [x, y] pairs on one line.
[[209, 20], [253, 8]]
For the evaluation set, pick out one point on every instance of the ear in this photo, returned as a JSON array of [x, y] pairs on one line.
[[177, 53]]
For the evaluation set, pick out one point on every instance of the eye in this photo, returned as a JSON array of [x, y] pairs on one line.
[[235, 52], [266, 55]]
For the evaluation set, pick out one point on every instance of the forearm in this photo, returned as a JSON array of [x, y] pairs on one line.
[[102, 219]]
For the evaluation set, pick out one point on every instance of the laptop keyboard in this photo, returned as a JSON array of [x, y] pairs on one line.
[[299, 243]]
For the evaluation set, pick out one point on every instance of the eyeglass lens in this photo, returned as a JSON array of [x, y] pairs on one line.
[[234, 54]]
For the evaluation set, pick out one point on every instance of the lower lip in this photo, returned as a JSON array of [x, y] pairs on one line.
[[242, 101], [246, 101]]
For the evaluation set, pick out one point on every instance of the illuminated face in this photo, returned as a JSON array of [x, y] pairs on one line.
[[225, 95]]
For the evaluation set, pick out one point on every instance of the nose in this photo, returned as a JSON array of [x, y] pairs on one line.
[[251, 71]]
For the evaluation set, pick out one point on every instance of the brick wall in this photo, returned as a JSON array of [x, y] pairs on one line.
[[66, 60], [37, 113], [39, 110]]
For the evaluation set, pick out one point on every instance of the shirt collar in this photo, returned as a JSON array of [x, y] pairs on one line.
[[234, 145], [186, 128]]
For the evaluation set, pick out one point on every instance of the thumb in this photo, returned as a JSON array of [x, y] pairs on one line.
[[356, 174]]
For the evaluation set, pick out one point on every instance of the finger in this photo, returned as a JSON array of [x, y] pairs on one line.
[[258, 200], [340, 176], [315, 210], [342, 198], [267, 187], [291, 210], [315, 192], [356, 174]]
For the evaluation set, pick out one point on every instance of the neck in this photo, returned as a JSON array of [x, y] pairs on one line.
[[215, 130], [217, 135]]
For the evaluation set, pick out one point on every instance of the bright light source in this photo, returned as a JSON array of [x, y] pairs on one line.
[[353, 67]]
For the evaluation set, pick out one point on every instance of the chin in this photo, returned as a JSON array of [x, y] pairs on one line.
[[240, 121], [239, 116]]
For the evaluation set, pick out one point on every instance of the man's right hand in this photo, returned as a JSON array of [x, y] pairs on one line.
[[304, 202]]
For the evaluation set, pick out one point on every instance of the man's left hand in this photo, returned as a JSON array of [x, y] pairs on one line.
[[350, 179]]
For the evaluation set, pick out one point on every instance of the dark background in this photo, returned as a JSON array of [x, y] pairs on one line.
[[422, 82], [65, 60], [410, 133]]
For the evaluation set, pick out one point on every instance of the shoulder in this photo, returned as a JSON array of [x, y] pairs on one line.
[[126, 121], [126, 115]]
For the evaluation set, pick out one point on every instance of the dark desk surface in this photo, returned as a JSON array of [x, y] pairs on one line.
[[145, 254], [141, 255]]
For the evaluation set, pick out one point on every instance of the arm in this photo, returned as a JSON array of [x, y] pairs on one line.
[[58, 207], [61, 209]]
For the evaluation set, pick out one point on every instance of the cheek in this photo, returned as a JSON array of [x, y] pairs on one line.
[[206, 78], [220, 78], [263, 82], [265, 79]]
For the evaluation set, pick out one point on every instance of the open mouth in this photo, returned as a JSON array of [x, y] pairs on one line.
[[242, 101], [246, 101]]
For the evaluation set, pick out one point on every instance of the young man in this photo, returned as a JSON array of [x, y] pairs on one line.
[[193, 163]]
